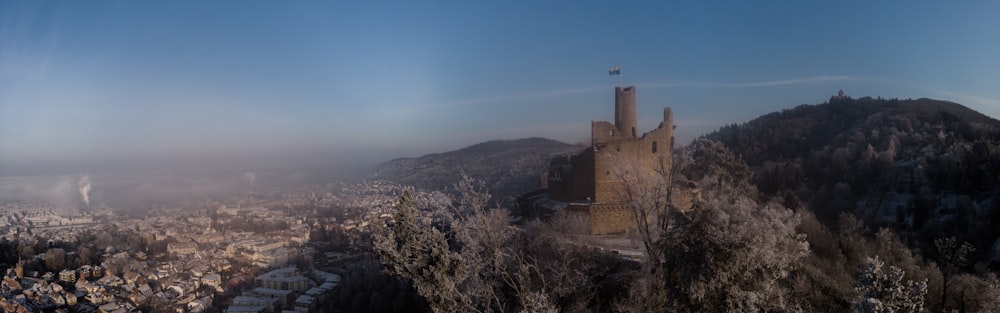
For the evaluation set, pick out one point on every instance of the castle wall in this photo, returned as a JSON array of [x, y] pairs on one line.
[[571, 178], [610, 218], [618, 158]]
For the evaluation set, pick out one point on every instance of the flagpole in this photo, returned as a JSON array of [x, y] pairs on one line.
[[621, 75]]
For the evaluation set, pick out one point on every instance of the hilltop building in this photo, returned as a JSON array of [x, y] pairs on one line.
[[592, 181], [839, 97]]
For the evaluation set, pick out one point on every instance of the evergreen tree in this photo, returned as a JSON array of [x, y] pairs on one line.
[[883, 290]]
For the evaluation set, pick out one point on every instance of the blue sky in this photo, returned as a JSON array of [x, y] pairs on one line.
[[89, 85]]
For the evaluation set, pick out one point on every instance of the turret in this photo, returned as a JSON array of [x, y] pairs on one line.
[[625, 116], [668, 117], [668, 123]]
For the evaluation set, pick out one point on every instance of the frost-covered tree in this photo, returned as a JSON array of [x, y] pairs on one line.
[[482, 236], [417, 252], [468, 260], [991, 294], [884, 291], [730, 253], [951, 257]]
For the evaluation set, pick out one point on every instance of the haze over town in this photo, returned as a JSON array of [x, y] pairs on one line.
[[338, 156], [89, 87]]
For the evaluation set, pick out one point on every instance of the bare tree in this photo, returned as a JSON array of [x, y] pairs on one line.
[[115, 265], [952, 258], [85, 255], [55, 259], [483, 235], [649, 195], [25, 250]]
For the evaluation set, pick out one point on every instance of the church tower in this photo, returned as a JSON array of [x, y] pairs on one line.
[[19, 269]]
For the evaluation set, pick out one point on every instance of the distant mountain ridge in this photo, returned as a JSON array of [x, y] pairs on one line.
[[822, 122], [924, 167], [508, 167]]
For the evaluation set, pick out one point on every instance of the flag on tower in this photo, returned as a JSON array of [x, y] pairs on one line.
[[615, 70]]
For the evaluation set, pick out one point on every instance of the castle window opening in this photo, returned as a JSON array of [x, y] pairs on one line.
[[633, 132], [654, 147], [612, 132]]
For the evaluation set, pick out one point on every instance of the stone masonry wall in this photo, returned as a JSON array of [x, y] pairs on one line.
[[610, 218]]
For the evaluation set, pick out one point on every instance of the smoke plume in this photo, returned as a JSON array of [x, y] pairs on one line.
[[251, 176], [84, 187]]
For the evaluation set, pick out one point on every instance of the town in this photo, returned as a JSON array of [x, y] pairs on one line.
[[272, 251]]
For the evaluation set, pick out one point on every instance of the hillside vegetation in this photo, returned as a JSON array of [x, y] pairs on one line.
[[509, 167], [924, 168]]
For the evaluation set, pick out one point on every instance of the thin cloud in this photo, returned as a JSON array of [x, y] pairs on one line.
[[787, 82], [675, 85], [703, 122], [768, 83], [968, 99], [506, 99], [530, 95], [593, 89], [409, 112]]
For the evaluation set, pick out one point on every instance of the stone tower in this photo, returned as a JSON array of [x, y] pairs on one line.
[[625, 119]]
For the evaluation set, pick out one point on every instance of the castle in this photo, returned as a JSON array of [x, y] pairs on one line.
[[839, 97], [592, 180]]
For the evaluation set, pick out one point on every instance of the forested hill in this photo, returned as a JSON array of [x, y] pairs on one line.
[[923, 167], [508, 167]]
